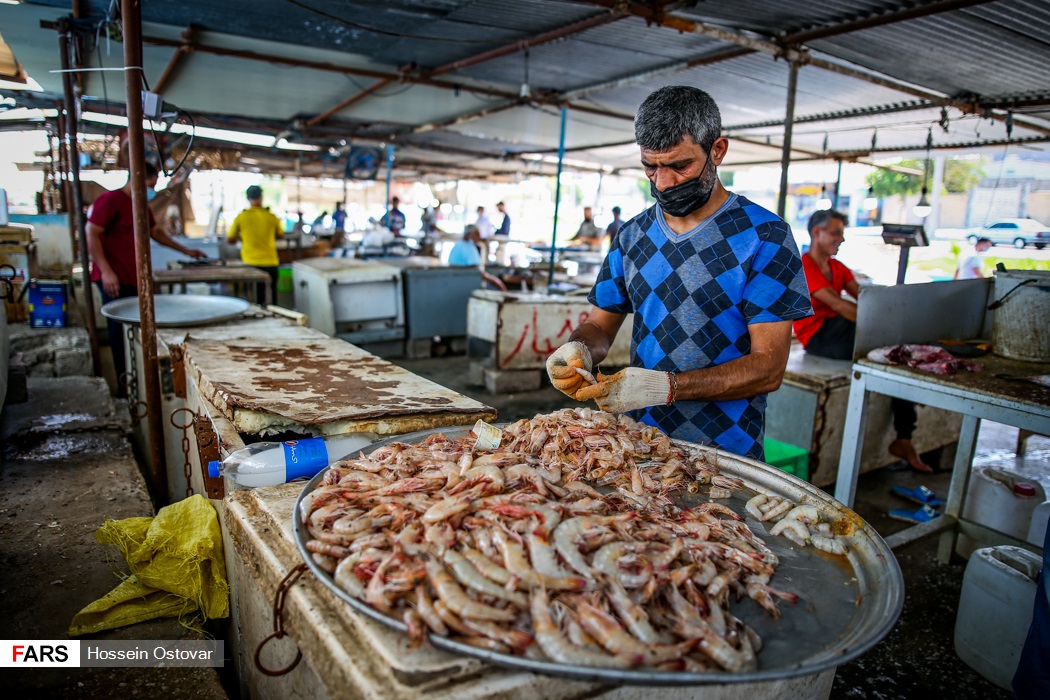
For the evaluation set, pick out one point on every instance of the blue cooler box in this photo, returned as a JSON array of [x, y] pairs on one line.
[[47, 304]]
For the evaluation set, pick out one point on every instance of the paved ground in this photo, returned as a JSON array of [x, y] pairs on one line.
[[917, 659], [66, 467]]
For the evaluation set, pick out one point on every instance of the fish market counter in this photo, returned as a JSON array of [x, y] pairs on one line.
[[345, 654]]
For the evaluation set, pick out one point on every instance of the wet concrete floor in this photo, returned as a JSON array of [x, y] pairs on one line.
[[917, 659]]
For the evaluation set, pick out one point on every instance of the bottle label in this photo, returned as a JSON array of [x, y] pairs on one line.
[[304, 458]]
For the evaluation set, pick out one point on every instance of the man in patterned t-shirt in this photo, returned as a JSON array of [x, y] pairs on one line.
[[713, 280]]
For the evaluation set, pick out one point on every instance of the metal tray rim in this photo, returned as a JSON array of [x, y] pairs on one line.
[[222, 308], [887, 609]]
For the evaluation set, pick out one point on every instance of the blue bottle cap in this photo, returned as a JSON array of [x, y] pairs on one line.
[[214, 469]]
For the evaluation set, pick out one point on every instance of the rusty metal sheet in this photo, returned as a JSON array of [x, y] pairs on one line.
[[314, 380]]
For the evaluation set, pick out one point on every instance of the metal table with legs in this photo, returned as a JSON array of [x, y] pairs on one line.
[[977, 396]]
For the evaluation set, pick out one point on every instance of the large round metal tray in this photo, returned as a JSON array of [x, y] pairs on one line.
[[178, 310], [846, 605]]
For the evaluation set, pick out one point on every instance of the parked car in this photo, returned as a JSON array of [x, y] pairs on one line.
[[1018, 232]]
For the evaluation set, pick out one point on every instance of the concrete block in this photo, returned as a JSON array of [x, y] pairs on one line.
[[418, 348], [73, 362], [510, 381], [476, 374], [41, 369]]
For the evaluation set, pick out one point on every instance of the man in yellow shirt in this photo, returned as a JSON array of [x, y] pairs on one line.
[[258, 230]]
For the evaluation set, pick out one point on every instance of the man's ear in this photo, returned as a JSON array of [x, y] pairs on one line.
[[719, 149]]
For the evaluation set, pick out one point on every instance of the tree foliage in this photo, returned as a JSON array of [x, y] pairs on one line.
[[960, 175]]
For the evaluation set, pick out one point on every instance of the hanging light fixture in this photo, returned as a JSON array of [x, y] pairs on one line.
[[871, 202], [526, 91], [923, 208], [825, 201]]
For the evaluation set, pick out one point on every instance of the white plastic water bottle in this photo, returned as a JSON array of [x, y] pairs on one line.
[[271, 463]]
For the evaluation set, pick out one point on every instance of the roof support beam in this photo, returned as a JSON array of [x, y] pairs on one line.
[[173, 63], [556, 34], [881, 20], [796, 55], [835, 116], [645, 76]]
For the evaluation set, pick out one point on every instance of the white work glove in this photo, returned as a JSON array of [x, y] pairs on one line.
[[562, 365], [629, 389]]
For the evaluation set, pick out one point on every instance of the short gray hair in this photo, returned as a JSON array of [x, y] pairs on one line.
[[821, 217], [672, 112]]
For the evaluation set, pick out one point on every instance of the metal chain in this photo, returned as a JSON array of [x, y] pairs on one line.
[[130, 380], [278, 622], [186, 467]]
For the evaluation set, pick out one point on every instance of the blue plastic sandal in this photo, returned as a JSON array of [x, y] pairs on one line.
[[922, 515], [920, 494]]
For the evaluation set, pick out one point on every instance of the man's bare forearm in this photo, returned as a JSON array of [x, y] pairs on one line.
[[741, 378], [161, 236], [95, 250]]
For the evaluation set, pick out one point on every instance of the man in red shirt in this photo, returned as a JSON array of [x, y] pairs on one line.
[[111, 246], [831, 330]]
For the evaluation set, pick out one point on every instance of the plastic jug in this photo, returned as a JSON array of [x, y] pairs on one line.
[[995, 610]]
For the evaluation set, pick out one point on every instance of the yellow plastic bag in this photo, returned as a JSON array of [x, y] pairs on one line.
[[176, 564]]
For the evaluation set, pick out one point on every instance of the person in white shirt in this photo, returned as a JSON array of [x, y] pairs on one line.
[[970, 268], [483, 224]]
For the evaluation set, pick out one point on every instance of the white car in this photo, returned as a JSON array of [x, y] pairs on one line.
[[1018, 232]]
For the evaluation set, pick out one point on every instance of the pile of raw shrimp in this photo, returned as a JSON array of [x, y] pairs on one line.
[[515, 549]]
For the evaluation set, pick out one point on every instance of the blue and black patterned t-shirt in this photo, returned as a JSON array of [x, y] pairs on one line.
[[693, 297]]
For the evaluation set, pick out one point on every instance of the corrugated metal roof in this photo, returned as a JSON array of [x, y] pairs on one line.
[[997, 51]]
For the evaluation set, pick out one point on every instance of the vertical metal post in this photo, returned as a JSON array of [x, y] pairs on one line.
[[838, 187], [131, 13], [902, 264], [557, 199], [389, 173], [75, 206], [789, 125]]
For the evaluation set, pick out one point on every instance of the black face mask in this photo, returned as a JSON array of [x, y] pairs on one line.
[[687, 197]]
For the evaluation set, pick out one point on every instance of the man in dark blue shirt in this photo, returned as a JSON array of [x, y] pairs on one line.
[[713, 281], [504, 228]]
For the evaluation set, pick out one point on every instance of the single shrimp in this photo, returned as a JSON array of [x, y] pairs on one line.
[[515, 639], [830, 544], [608, 632], [456, 599], [632, 614], [567, 534], [346, 578], [559, 649], [610, 558], [425, 608], [470, 577]]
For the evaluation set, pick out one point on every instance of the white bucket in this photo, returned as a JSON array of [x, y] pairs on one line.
[[995, 610], [1022, 306]]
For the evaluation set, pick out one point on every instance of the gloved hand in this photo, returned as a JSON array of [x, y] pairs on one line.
[[629, 389], [562, 365]]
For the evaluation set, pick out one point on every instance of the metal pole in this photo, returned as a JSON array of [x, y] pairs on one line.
[[389, 172], [789, 124], [76, 209], [902, 264], [557, 199], [838, 187], [130, 11]]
